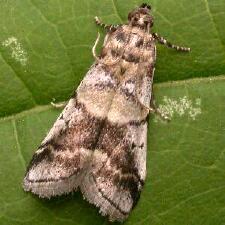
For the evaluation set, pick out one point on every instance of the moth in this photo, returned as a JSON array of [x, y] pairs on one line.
[[99, 142]]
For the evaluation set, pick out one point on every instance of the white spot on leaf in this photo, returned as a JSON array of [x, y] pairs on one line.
[[181, 107], [17, 51]]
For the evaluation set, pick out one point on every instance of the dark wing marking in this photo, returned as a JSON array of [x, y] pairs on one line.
[[57, 166], [117, 172]]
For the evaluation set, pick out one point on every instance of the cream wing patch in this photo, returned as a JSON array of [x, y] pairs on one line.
[[97, 90]]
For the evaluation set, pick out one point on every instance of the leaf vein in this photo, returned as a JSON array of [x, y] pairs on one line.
[[191, 198], [213, 22], [116, 10], [21, 80], [18, 144], [58, 34]]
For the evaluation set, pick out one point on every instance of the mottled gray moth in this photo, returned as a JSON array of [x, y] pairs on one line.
[[98, 143]]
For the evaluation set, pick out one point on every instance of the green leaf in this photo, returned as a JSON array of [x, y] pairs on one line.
[[46, 50]]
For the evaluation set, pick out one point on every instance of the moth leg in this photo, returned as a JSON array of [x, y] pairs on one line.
[[155, 109], [163, 41], [59, 105], [109, 27]]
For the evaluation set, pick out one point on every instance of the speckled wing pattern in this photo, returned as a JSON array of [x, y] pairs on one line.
[[60, 162], [117, 172], [99, 141]]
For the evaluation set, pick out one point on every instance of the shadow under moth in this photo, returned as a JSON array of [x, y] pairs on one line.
[[99, 142]]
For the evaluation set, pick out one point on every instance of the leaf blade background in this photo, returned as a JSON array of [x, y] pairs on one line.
[[185, 170]]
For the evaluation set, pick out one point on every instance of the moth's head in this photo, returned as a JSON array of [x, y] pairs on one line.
[[141, 17]]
